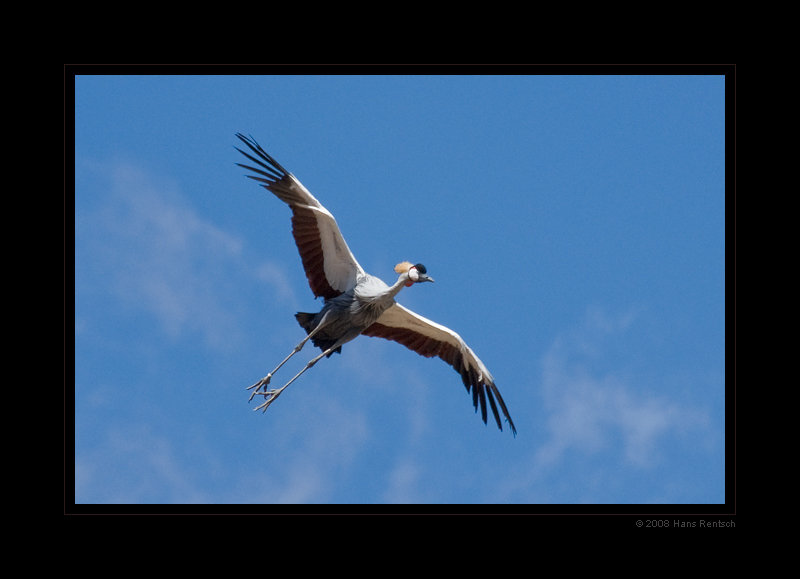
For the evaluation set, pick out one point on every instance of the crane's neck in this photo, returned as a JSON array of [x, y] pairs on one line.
[[373, 291], [402, 281]]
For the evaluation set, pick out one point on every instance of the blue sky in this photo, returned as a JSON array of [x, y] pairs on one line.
[[575, 228]]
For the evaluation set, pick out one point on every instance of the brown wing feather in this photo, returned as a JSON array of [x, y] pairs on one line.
[[309, 245]]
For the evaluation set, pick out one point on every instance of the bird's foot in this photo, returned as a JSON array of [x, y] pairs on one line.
[[260, 384], [269, 397]]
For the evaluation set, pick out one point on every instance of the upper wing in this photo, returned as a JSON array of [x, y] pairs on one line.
[[330, 266], [429, 339]]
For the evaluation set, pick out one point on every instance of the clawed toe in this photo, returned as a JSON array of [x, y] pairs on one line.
[[271, 395], [258, 385], [269, 398]]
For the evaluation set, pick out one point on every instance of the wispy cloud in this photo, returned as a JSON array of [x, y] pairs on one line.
[[599, 405], [309, 462], [593, 401], [404, 483], [134, 465], [152, 250], [276, 276]]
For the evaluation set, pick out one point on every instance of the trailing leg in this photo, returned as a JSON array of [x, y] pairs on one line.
[[271, 395], [266, 379]]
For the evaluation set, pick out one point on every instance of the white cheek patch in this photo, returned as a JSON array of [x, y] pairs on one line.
[[413, 275]]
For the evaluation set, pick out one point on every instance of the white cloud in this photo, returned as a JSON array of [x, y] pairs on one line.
[[134, 465], [594, 405], [404, 481], [608, 417], [148, 246], [275, 275], [313, 451]]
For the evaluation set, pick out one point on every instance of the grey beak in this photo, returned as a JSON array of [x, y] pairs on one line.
[[424, 277]]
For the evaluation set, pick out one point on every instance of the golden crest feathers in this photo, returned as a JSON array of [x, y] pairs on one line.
[[403, 267]]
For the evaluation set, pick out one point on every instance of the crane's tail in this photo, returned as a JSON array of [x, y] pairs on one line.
[[306, 322]]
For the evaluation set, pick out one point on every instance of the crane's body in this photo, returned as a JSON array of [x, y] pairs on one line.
[[356, 302], [349, 314]]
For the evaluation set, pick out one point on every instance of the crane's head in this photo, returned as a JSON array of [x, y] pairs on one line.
[[416, 273]]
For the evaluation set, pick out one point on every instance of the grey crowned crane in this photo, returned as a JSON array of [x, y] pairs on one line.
[[356, 302]]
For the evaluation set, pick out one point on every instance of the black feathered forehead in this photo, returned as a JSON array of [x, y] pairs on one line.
[[421, 268]]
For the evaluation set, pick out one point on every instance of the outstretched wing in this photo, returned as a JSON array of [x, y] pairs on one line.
[[330, 266], [430, 339]]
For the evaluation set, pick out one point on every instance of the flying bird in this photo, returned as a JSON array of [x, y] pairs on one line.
[[356, 302]]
